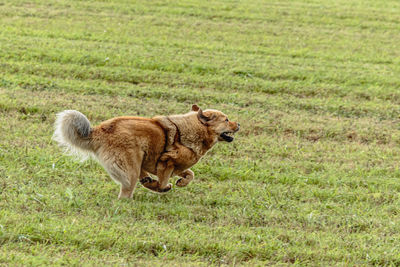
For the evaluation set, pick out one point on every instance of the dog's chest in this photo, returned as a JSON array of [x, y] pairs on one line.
[[186, 164], [185, 159]]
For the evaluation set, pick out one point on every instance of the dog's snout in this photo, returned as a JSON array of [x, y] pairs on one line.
[[238, 127]]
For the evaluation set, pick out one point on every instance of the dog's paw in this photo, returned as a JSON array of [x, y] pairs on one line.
[[181, 182], [166, 189], [146, 180]]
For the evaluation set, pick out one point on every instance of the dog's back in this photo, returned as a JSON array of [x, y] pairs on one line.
[[127, 135]]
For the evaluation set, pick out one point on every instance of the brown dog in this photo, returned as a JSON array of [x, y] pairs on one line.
[[130, 148]]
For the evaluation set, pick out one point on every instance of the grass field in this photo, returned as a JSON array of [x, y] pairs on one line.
[[312, 178]]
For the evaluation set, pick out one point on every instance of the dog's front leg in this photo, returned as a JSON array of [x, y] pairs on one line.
[[187, 177], [164, 172]]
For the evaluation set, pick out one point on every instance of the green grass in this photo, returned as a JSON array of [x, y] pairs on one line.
[[312, 178]]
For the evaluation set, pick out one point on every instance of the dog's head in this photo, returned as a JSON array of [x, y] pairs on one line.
[[217, 123]]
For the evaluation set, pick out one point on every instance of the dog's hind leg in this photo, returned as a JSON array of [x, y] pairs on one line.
[[164, 171], [147, 181], [125, 170], [187, 177]]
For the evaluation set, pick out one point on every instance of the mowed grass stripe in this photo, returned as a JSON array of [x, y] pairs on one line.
[[335, 106], [254, 11], [198, 78], [249, 68], [313, 45]]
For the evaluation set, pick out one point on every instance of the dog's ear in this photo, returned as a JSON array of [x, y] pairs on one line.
[[195, 107], [202, 118]]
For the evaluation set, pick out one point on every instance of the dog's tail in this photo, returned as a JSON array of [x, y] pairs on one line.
[[73, 132]]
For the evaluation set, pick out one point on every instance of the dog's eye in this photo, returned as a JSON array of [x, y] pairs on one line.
[[226, 120]]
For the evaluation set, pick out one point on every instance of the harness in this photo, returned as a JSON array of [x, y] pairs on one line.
[[177, 137], [178, 133]]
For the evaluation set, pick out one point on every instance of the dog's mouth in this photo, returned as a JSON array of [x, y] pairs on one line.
[[227, 136]]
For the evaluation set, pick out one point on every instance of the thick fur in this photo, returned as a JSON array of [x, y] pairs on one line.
[[132, 148], [72, 130]]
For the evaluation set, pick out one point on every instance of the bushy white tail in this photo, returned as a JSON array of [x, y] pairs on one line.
[[72, 131]]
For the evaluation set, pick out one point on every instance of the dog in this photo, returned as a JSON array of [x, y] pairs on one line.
[[132, 148]]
